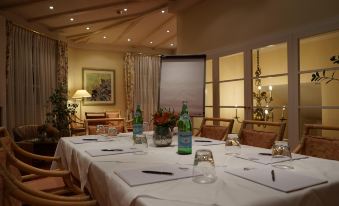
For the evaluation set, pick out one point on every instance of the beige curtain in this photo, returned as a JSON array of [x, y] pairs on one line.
[[129, 83], [146, 88], [31, 79]]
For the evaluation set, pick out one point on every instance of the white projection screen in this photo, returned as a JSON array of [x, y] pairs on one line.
[[182, 78]]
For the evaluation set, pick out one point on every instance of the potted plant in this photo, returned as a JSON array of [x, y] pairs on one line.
[[164, 121], [59, 117]]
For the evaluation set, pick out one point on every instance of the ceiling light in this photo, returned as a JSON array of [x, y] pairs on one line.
[[168, 31], [88, 28], [71, 19], [105, 37], [125, 9], [51, 7], [128, 39], [151, 42], [172, 44], [162, 11]]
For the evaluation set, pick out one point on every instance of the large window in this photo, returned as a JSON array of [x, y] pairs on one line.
[[319, 80], [231, 87]]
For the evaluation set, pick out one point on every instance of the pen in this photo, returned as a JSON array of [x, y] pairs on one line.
[[265, 153], [91, 139], [157, 172], [202, 141], [112, 150], [273, 175]]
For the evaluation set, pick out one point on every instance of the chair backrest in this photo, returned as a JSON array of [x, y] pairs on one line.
[[113, 114], [219, 131], [118, 123], [28, 132], [319, 146], [264, 139]]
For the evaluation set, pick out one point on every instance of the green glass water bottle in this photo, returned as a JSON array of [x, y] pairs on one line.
[[184, 131], [137, 121]]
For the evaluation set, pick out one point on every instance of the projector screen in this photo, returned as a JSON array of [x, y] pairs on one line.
[[182, 78]]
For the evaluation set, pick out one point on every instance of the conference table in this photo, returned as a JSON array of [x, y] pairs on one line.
[[241, 181]]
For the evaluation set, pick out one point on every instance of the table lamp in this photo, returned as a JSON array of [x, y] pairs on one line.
[[79, 94]]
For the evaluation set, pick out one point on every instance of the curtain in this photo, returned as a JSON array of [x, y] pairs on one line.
[[146, 88], [129, 83], [31, 75]]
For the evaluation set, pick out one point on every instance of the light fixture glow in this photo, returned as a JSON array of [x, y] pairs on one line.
[[172, 44], [168, 31], [71, 19], [51, 7], [162, 11], [105, 37], [128, 39], [88, 28], [151, 42], [125, 9]]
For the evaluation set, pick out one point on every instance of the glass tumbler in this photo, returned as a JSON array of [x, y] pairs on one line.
[[281, 155], [140, 143], [203, 167]]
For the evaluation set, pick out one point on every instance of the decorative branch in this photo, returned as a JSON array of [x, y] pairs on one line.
[[316, 77]]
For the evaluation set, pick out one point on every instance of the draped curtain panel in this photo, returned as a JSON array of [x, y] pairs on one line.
[[62, 64], [129, 83], [146, 88], [32, 68]]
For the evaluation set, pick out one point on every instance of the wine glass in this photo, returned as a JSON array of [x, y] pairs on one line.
[[203, 167], [281, 155]]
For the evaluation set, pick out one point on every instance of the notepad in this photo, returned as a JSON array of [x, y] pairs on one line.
[[267, 159], [112, 151], [284, 180], [135, 177], [90, 139]]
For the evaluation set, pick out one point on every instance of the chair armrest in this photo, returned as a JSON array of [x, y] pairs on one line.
[[297, 150]]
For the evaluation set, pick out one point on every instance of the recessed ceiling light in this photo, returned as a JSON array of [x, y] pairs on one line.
[[51, 7], [172, 44], [128, 39], [168, 31], [105, 37], [125, 9], [151, 42], [162, 11], [88, 28], [71, 19]]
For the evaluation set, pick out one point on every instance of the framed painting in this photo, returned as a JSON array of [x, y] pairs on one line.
[[100, 83]]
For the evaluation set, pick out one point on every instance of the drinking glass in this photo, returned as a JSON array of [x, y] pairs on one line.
[[112, 131], [100, 129], [281, 151], [140, 143], [145, 126], [232, 145], [203, 167]]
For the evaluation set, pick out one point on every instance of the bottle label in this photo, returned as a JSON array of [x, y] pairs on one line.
[[185, 139], [137, 129]]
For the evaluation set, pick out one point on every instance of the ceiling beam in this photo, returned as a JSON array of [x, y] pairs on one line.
[[82, 10], [108, 19], [162, 25], [19, 4], [165, 40], [128, 28]]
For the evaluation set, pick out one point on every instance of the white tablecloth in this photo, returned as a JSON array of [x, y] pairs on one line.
[[97, 174]]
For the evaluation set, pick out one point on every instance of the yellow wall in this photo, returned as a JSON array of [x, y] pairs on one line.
[[80, 58], [220, 23]]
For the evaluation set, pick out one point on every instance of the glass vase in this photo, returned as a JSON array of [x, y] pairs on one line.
[[162, 136]]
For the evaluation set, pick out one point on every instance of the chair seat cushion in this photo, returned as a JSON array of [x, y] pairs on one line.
[[46, 183], [258, 138], [322, 147]]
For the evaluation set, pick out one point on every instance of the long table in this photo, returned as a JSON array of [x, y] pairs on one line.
[[98, 176]]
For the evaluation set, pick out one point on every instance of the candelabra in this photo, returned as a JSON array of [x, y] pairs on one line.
[[261, 112], [236, 114]]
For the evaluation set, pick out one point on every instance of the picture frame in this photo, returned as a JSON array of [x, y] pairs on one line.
[[100, 83]]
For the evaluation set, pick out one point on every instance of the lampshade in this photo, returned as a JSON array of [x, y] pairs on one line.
[[80, 93]]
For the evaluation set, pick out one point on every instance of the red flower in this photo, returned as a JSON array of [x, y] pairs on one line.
[[165, 117]]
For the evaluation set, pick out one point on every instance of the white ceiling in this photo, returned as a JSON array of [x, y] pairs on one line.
[[143, 23]]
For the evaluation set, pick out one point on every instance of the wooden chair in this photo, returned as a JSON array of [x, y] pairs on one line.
[[113, 114], [318, 146], [262, 139], [12, 188], [29, 132], [55, 181], [218, 132], [118, 123]]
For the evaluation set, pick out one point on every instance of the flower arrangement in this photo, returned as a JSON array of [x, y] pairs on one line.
[[165, 117]]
